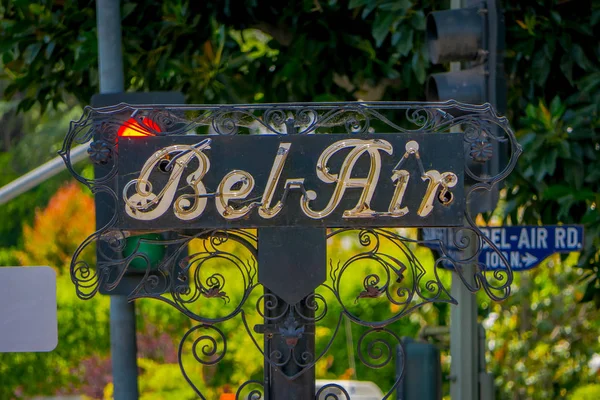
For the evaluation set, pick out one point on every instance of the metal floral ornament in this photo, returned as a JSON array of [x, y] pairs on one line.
[[482, 150], [211, 181], [99, 152]]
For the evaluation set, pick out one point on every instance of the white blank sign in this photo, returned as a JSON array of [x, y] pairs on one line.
[[27, 309]]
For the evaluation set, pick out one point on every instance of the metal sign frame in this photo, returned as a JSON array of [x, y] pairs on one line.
[[291, 302]]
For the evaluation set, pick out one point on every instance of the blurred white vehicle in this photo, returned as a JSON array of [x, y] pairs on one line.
[[358, 390]]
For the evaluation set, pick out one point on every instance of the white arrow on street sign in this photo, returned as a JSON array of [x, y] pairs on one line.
[[528, 259]]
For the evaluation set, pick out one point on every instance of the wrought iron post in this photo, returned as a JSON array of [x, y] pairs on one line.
[[278, 385], [293, 262]]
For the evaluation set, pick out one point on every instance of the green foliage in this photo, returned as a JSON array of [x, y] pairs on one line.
[[541, 337], [42, 136], [554, 68], [212, 52], [80, 361], [8, 257], [82, 332], [165, 381], [18, 211], [54, 243], [56, 43], [589, 392]]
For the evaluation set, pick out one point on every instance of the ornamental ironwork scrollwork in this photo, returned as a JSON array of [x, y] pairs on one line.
[[211, 275], [477, 122]]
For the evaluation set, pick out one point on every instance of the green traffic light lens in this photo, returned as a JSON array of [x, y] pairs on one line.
[[142, 244]]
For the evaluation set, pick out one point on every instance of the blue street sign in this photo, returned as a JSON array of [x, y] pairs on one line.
[[526, 246], [432, 238]]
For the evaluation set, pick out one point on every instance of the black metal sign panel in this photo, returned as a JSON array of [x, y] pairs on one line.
[[206, 181]]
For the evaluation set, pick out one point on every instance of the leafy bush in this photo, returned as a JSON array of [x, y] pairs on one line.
[[59, 229], [83, 331], [554, 69], [589, 392], [541, 338]]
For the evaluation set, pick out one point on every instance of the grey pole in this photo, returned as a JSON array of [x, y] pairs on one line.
[[39, 175], [486, 379], [110, 53], [122, 313], [464, 340], [464, 343]]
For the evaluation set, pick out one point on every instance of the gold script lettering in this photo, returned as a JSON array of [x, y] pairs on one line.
[[145, 205], [446, 179], [226, 193], [265, 210], [344, 180], [401, 178]]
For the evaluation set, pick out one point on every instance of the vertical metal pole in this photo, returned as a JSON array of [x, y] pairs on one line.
[[110, 53], [464, 338], [122, 313], [464, 341], [486, 380], [463, 321], [123, 348]]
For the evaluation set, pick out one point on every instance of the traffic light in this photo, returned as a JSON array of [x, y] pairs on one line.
[[422, 367], [151, 248], [475, 36]]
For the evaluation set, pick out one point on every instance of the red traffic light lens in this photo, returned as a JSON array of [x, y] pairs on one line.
[[132, 127]]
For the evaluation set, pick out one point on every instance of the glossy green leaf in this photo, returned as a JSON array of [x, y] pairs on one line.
[[542, 67], [566, 66], [405, 41], [590, 292], [357, 3], [580, 58], [381, 27], [418, 20]]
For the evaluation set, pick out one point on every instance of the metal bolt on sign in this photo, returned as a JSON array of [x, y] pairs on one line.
[[253, 200]]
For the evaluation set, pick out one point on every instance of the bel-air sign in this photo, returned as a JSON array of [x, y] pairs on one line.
[[200, 181]]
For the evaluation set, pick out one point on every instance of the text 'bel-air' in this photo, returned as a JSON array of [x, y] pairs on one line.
[[190, 163]]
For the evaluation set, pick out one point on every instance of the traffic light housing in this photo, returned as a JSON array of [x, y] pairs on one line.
[[422, 367], [152, 248], [475, 36]]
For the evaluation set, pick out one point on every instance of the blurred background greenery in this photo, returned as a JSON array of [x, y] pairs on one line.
[[543, 341]]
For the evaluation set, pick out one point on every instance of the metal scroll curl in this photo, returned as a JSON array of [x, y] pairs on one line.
[[391, 265], [220, 268], [207, 345], [392, 275]]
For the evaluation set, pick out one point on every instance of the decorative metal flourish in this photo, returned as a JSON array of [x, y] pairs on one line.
[[481, 151], [291, 330], [215, 283], [478, 123], [393, 274], [210, 275], [371, 289], [332, 391], [100, 152]]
